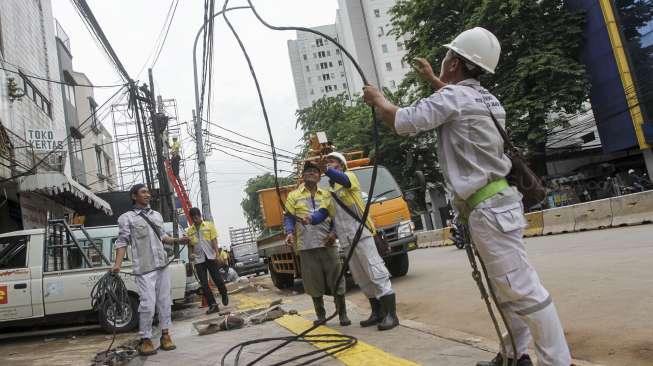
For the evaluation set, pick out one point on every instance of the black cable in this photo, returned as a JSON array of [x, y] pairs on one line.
[[29, 76], [302, 337], [243, 136]]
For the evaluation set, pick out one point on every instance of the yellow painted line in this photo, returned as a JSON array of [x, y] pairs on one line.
[[362, 354], [246, 302], [624, 71]]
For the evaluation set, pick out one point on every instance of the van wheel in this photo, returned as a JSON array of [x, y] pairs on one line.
[[112, 321]]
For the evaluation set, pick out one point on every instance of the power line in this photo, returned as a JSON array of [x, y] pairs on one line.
[[55, 81], [244, 136], [248, 146], [165, 37]]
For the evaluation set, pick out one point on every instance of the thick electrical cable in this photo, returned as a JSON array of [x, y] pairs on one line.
[[344, 341]]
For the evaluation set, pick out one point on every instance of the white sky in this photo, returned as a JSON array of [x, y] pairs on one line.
[[132, 27]]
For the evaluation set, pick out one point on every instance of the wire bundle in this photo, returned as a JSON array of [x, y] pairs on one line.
[[110, 292]]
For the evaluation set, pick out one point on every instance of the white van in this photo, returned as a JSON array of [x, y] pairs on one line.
[[50, 281]]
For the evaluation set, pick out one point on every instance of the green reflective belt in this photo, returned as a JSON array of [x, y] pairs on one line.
[[486, 192]]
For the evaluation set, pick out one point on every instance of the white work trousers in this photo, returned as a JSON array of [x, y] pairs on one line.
[[368, 269], [497, 233], [154, 292]]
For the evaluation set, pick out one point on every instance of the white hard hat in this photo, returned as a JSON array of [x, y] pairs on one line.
[[340, 157], [479, 46]]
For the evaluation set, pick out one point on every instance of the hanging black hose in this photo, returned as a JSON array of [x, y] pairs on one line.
[[343, 342]]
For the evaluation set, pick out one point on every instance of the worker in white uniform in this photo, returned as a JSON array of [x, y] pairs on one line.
[[471, 154], [366, 265], [142, 228]]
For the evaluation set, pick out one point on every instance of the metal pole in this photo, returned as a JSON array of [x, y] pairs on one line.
[[146, 165], [197, 119]]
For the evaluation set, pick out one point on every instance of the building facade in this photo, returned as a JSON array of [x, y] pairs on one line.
[[97, 144], [362, 27], [35, 175]]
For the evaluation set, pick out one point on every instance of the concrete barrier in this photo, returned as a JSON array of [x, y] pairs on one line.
[[558, 220], [434, 238], [632, 209], [593, 215], [535, 224]]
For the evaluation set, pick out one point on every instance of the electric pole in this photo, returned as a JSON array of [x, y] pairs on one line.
[[201, 164]]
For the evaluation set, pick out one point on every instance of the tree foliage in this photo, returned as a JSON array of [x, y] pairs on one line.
[[539, 73], [250, 204]]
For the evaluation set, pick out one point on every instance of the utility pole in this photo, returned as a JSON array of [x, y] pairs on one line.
[[159, 125], [201, 164]]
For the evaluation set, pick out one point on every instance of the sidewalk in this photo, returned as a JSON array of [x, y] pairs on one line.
[[411, 343]]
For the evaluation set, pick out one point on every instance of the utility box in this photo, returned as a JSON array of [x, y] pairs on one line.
[[270, 205]]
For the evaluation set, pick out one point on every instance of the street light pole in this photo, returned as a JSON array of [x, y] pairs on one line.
[[197, 119]]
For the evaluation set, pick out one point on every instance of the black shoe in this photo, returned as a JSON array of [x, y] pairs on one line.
[[225, 299], [389, 309], [524, 360], [213, 309], [320, 312], [375, 316], [342, 310]]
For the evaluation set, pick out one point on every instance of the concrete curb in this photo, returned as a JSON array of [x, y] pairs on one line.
[[469, 339]]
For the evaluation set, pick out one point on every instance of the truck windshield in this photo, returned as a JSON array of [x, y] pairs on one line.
[[386, 187]]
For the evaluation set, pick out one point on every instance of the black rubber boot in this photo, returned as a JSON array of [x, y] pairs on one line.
[[375, 317], [389, 306], [320, 312], [524, 360], [342, 310]]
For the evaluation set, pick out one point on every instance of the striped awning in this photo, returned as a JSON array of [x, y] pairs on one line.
[[62, 189]]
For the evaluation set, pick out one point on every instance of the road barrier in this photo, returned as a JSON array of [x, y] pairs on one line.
[[632, 209], [558, 220], [535, 224], [593, 215], [429, 238]]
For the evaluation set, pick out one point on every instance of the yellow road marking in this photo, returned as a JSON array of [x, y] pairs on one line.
[[362, 354]]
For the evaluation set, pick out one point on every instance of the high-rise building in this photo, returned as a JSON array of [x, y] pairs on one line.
[[362, 27], [317, 66]]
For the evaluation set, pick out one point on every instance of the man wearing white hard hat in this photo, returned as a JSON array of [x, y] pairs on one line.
[[471, 154], [366, 265]]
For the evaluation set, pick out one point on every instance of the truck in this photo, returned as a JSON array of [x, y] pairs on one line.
[[244, 252], [389, 212], [46, 277]]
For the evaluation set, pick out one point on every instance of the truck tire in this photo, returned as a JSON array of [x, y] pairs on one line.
[[127, 322], [281, 280], [399, 265]]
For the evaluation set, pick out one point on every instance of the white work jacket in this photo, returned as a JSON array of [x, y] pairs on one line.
[[470, 148]]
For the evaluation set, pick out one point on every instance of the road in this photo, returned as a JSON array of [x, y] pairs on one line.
[[601, 282]]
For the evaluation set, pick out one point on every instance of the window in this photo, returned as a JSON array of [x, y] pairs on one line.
[[335, 87], [13, 252], [319, 42], [36, 96], [308, 68], [393, 84], [377, 13], [333, 76], [381, 32], [328, 88], [388, 66], [94, 121], [321, 90], [342, 74], [384, 48], [107, 165], [323, 65], [69, 88], [321, 54], [98, 159], [309, 79], [337, 51], [325, 77], [305, 57], [314, 55], [344, 85], [328, 53], [339, 62], [400, 46], [312, 92]]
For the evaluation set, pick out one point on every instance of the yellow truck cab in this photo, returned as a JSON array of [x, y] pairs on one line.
[[46, 277]]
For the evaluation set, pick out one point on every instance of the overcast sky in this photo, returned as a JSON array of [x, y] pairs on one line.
[[132, 28]]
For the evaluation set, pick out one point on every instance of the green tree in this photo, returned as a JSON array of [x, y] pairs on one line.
[[539, 73], [250, 204], [348, 125]]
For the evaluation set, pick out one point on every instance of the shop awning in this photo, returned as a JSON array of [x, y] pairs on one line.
[[64, 190]]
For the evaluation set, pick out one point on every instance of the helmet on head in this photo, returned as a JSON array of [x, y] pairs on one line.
[[478, 46], [340, 157]]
